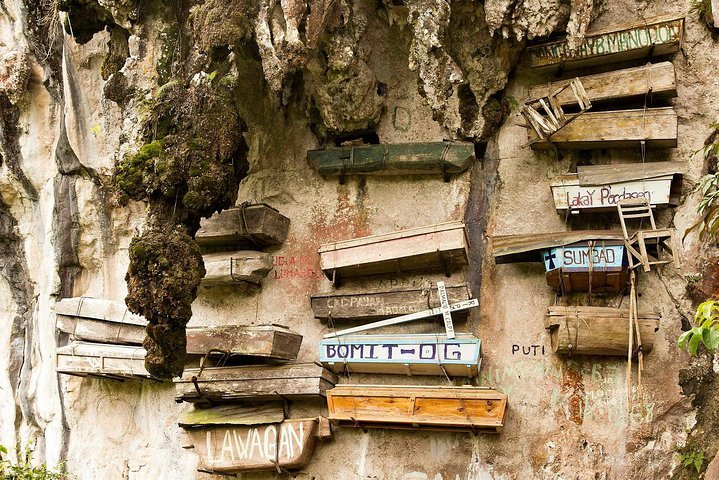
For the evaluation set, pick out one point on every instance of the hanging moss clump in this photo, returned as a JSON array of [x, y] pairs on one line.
[[190, 167]]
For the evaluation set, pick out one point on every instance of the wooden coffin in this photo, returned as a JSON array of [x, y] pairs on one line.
[[256, 381], [250, 226], [529, 247], [597, 330], [472, 409], [614, 129], [441, 158], [587, 266], [232, 414], [98, 320], [267, 341], [661, 36], [103, 360], [617, 86], [442, 246], [233, 449], [602, 187], [419, 354], [230, 268], [383, 304]]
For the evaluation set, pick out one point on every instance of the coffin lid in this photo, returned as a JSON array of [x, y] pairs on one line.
[[410, 232], [463, 392], [383, 291], [585, 311], [259, 327], [289, 371], [526, 247], [98, 309], [400, 337], [617, 173], [88, 349], [264, 413]]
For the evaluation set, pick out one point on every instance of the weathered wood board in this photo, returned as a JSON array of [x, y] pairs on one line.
[[233, 414], [600, 188], [268, 341], [256, 381], [406, 354], [231, 450], [410, 407], [657, 127], [529, 247], [442, 246], [229, 268], [441, 158], [98, 320], [661, 36], [597, 330], [618, 86], [249, 226], [97, 359], [382, 304], [601, 267]]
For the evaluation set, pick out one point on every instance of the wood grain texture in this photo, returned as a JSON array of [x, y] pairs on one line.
[[435, 408], [382, 304], [615, 129], [251, 226], [271, 412], [256, 381], [229, 268], [117, 361], [597, 330], [270, 341], [601, 282], [103, 331], [618, 85], [528, 247], [99, 309]]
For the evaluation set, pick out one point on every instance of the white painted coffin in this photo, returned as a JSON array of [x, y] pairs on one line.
[[601, 187], [420, 354], [99, 320], [97, 359]]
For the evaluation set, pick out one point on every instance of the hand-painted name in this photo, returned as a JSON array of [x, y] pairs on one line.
[[580, 258], [263, 443]]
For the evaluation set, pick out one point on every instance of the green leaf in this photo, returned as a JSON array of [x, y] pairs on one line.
[[710, 338], [694, 343], [699, 461], [683, 339]]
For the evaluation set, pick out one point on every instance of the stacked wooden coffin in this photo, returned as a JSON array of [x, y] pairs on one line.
[[440, 247], [244, 374], [232, 242]]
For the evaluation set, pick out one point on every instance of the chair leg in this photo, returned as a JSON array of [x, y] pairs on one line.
[[643, 251]]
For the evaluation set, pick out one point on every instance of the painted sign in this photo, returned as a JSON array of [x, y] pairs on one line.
[[232, 450], [641, 37], [579, 258], [422, 354], [574, 197]]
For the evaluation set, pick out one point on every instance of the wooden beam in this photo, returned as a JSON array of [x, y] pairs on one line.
[[269, 341], [271, 412]]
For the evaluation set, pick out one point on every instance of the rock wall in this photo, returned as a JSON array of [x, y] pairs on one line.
[[77, 83]]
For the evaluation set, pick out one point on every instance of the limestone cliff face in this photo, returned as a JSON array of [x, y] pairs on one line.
[[84, 85]]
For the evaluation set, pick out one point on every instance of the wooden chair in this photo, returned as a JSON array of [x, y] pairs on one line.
[[636, 244]]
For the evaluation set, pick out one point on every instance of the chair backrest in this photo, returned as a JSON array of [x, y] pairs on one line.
[[635, 208]]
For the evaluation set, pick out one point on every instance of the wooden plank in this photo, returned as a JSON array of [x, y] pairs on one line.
[[579, 268], [233, 415], [454, 408], [617, 172], [379, 305], [528, 247], [256, 381], [92, 330], [121, 361], [597, 330], [249, 226], [618, 85], [269, 341], [419, 354], [442, 158], [230, 268], [657, 127], [233, 450], [601, 282], [661, 36], [441, 246], [99, 309]]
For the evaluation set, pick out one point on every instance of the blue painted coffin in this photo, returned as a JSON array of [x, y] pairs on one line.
[[588, 266], [419, 354]]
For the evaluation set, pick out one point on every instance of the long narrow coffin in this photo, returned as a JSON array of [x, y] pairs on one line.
[[230, 268], [256, 381], [472, 409], [233, 449], [661, 36], [601, 187], [419, 354], [441, 158], [267, 341], [248, 226], [96, 359], [442, 246], [382, 304], [617, 86], [98, 320], [597, 330], [657, 127]]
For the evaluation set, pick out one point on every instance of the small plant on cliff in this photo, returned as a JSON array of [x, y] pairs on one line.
[[692, 459], [23, 470], [708, 208], [706, 330]]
